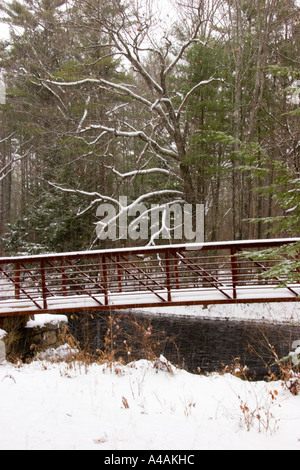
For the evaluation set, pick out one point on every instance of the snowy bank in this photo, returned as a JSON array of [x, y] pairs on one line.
[[281, 312], [2, 346], [144, 405], [40, 321], [2, 334]]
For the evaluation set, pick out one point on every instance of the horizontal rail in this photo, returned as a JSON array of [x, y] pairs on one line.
[[239, 245], [210, 273]]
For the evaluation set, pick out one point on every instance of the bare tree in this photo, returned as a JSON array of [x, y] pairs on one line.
[[150, 52]]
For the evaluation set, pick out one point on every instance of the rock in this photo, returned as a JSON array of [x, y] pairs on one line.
[[25, 339], [2, 352], [43, 337]]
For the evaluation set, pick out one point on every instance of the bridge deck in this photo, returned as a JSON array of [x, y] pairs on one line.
[[215, 273]]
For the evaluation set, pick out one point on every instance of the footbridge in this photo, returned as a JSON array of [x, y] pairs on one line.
[[172, 275]]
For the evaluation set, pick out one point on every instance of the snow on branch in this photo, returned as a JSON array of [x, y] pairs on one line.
[[9, 166], [85, 113], [125, 89], [101, 81], [129, 174], [203, 82], [182, 50], [135, 207], [102, 198], [98, 197], [139, 134]]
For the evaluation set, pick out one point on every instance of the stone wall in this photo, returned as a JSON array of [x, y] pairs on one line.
[[25, 337], [2, 351]]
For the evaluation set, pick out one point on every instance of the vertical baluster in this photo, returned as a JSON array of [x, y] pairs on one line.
[[17, 281], [63, 277], [167, 260], [105, 280], [119, 274], [234, 272], [176, 270], [298, 269], [44, 289]]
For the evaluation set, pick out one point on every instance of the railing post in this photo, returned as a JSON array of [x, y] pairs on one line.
[[17, 281], [234, 271], [119, 274], [63, 277], [176, 270], [105, 280], [44, 289], [167, 254], [298, 269]]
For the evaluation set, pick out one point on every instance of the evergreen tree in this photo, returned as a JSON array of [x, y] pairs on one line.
[[44, 121], [104, 100]]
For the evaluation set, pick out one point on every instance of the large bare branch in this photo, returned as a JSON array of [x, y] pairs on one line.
[[190, 92], [130, 174], [135, 134], [162, 132], [100, 81]]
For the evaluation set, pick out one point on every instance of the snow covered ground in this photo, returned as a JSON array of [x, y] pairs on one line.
[[53, 405], [144, 405], [281, 312]]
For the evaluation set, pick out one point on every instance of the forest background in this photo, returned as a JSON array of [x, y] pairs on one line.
[[194, 102]]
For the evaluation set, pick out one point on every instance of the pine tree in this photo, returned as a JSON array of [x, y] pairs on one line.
[[104, 100], [44, 120]]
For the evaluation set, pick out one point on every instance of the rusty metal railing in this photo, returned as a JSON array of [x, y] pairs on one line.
[[212, 273]]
